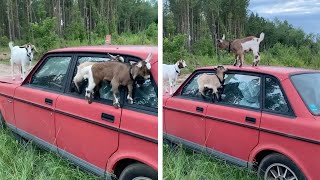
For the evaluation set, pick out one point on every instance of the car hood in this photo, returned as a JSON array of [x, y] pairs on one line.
[[9, 80]]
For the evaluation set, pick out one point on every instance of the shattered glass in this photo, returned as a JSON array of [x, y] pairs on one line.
[[274, 98], [242, 90], [145, 94], [52, 73]]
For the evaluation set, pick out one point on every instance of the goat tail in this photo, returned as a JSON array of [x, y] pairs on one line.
[[261, 37], [10, 45]]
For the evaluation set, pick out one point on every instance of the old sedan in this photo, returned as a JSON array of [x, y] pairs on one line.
[[267, 119]]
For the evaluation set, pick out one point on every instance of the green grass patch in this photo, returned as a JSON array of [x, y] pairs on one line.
[[179, 163], [26, 162]]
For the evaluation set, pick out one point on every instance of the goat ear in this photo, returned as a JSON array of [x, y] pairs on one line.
[[34, 48], [215, 69], [149, 57], [139, 65], [223, 37]]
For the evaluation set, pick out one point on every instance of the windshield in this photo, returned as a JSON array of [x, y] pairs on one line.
[[308, 86]]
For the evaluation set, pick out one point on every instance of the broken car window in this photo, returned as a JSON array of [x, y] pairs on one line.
[[51, 75]]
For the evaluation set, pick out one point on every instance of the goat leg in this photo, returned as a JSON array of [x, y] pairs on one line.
[[235, 60], [129, 97], [241, 60], [115, 91], [12, 70], [89, 90]]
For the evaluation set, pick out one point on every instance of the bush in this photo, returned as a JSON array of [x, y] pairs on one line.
[[174, 48]]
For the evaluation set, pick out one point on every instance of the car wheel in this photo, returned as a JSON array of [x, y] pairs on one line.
[[278, 167], [138, 171]]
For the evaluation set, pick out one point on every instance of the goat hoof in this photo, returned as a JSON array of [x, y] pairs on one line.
[[130, 101], [116, 105]]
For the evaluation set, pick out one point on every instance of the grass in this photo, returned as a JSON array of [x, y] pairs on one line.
[[26, 162], [179, 163]]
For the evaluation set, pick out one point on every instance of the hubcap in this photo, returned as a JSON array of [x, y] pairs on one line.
[[141, 178], [279, 171]]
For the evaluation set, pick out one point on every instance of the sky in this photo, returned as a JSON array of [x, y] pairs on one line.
[[303, 14]]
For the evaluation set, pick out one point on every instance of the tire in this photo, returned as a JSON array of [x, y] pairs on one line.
[[270, 165], [138, 171]]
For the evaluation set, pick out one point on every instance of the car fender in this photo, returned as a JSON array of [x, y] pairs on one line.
[[132, 155], [279, 149]]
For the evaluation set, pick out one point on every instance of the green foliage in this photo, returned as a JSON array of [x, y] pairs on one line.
[[28, 162], [44, 34], [174, 48], [179, 163], [203, 46], [4, 40]]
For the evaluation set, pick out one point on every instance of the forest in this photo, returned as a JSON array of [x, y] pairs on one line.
[[191, 28], [58, 23]]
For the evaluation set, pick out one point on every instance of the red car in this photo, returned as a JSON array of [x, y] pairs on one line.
[[46, 109], [267, 118]]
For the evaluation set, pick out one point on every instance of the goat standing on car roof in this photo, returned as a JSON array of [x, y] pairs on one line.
[[171, 72], [21, 56], [241, 46]]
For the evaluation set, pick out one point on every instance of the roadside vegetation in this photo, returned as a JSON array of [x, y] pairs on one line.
[[180, 163], [191, 28], [25, 162], [57, 24]]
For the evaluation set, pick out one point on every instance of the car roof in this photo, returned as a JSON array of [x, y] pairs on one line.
[[280, 72], [140, 51]]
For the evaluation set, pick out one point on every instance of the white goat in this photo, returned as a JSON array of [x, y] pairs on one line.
[[171, 72], [21, 56]]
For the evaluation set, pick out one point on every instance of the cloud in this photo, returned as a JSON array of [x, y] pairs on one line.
[[303, 14], [285, 6]]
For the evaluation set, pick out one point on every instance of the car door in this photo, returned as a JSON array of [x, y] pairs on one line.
[[35, 100], [232, 124], [184, 115], [139, 122], [87, 133]]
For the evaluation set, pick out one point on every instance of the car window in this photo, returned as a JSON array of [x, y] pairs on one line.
[[105, 87], [145, 94], [192, 89], [52, 74], [274, 97], [243, 90], [308, 85]]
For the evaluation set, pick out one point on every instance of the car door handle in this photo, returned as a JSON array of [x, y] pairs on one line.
[[48, 101], [251, 120], [199, 109], [107, 117]]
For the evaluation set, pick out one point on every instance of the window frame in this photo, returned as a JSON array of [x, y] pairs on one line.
[[71, 75], [218, 102], [39, 67], [291, 112], [122, 90], [135, 107]]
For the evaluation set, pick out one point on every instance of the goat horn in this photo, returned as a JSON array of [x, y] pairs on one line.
[[149, 57], [223, 37], [113, 57]]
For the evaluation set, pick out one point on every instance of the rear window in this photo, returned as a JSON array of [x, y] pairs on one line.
[[308, 86]]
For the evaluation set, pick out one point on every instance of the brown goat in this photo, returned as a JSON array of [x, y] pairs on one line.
[[118, 74], [212, 81], [241, 46]]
